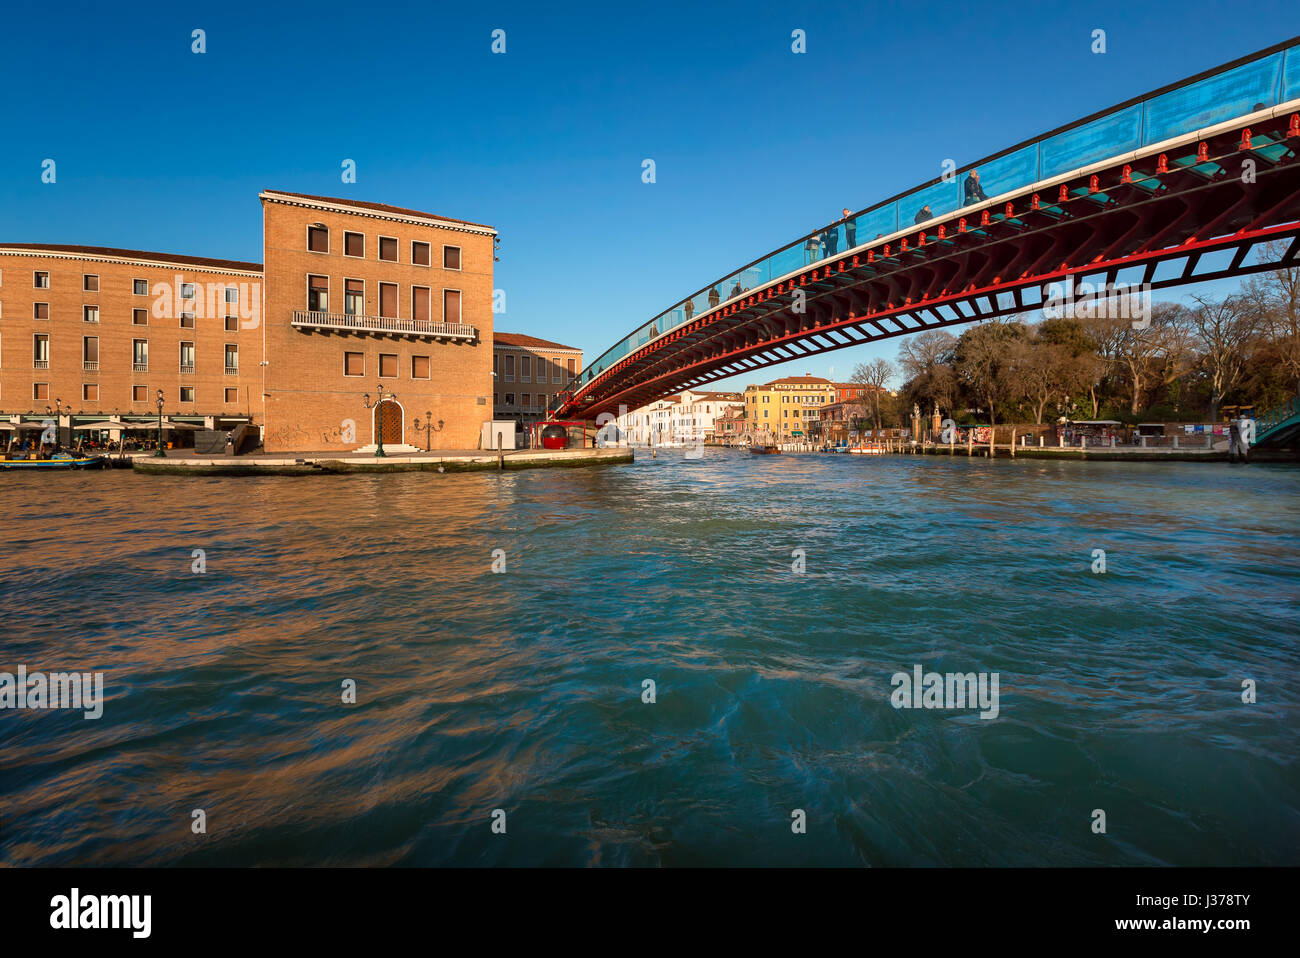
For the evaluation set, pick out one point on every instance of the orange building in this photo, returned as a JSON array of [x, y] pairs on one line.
[[352, 298]]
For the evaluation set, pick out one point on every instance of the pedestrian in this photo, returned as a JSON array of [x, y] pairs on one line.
[[735, 290], [831, 238], [689, 309], [973, 191], [923, 214], [850, 230], [813, 248], [713, 297]]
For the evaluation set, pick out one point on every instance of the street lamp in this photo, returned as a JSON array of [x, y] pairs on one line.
[[428, 428], [160, 454], [377, 419]]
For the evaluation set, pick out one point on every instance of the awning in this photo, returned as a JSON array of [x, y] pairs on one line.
[[106, 424]]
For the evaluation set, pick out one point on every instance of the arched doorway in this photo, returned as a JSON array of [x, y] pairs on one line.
[[390, 422]]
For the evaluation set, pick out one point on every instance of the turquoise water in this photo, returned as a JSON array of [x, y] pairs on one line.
[[522, 691]]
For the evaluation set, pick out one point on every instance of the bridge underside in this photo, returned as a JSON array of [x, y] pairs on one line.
[[1166, 219]]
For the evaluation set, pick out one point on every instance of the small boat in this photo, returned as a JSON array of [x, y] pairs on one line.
[[760, 450], [60, 460]]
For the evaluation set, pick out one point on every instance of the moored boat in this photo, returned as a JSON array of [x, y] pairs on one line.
[[760, 450], [60, 460]]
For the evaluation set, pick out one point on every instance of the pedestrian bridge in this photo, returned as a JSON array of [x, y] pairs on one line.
[[1196, 181]]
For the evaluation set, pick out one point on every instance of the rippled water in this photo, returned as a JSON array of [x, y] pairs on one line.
[[522, 691]]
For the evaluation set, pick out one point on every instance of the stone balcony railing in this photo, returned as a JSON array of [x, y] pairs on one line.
[[353, 323]]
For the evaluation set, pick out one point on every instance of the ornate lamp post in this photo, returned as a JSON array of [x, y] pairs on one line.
[[160, 454], [57, 412], [428, 428], [379, 426]]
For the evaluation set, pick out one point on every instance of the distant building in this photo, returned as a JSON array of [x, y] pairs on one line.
[[729, 426], [688, 417], [527, 373], [788, 408]]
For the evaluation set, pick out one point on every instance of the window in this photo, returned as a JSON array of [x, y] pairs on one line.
[[187, 320], [526, 401], [232, 324], [510, 368], [90, 392], [451, 306], [140, 287], [525, 369], [420, 367], [318, 294], [510, 399], [90, 353], [90, 314], [388, 365], [187, 357], [139, 317], [388, 299], [139, 394], [318, 239], [40, 390], [388, 249], [354, 364], [232, 294], [187, 394], [573, 368], [41, 351], [420, 303], [451, 257], [557, 372], [40, 310], [41, 280], [354, 244], [232, 359], [90, 282], [187, 290], [419, 253], [232, 396], [354, 297], [139, 355]]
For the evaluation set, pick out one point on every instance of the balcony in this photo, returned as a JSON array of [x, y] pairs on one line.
[[351, 323], [140, 367], [187, 369], [232, 370], [90, 366], [40, 364]]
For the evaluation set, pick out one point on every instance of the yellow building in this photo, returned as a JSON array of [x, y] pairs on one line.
[[787, 407]]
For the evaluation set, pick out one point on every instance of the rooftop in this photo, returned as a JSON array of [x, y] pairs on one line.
[[112, 252], [376, 207], [528, 342]]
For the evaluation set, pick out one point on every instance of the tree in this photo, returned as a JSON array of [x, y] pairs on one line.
[[985, 364], [1225, 331], [1276, 298], [926, 361], [1149, 355], [873, 378]]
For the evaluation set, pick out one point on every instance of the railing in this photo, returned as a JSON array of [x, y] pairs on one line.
[[40, 364], [90, 366], [187, 368], [1276, 416], [140, 367], [1256, 82], [232, 370], [381, 324]]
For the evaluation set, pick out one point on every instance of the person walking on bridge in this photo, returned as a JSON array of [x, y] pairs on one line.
[[714, 298], [974, 192], [923, 214], [850, 229]]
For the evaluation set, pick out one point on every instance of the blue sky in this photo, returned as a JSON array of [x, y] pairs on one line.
[[162, 149]]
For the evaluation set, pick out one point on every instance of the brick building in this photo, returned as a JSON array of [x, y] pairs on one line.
[[527, 373], [352, 296]]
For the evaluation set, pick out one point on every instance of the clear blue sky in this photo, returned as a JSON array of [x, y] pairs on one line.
[[161, 149]]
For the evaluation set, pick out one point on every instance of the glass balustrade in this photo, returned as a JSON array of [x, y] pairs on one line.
[[1263, 82]]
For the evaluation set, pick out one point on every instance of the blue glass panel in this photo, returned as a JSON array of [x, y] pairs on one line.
[[1291, 75], [1103, 137], [1250, 87], [1011, 172], [877, 223], [941, 198], [788, 260]]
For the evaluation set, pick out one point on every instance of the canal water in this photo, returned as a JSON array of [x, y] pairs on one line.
[[523, 690]]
